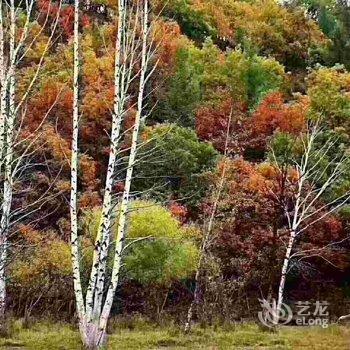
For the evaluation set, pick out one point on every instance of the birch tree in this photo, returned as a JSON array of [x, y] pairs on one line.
[[15, 42], [133, 51], [316, 194], [102, 238], [74, 172], [3, 98]]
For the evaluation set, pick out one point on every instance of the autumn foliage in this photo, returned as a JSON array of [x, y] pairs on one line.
[[236, 82]]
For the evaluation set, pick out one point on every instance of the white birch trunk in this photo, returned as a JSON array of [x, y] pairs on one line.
[[94, 315], [120, 235], [3, 87], [309, 191], [3, 244], [75, 244], [3, 113], [96, 283], [8, 156], [9, 109], [280, 295], [86, 330]]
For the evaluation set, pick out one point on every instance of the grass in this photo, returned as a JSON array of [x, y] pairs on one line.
[[44, 336]]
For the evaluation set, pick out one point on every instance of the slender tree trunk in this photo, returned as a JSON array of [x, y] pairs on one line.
[[3, 87], [3, 114], [87, 329], [75, 244], [283, 277], [7, 155], [2, 276], [9, 109], [128, 179], [194, 303], [94, 314], [97, 277], [306, 211]]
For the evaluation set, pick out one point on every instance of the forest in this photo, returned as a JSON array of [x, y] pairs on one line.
[[174, 174]]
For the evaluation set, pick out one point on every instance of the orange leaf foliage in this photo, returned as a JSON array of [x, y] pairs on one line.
[[273, 114]]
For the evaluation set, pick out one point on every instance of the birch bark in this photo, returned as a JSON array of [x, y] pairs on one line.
[[95, 288], [305, 212], [3, 88], [3, 113], [120, 235], [280, 295], [7, 156], [9, 109], [94, 314], [75, 244]]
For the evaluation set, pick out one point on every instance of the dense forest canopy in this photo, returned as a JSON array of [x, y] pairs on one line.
[[236, 89]]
